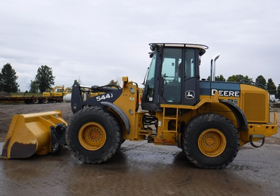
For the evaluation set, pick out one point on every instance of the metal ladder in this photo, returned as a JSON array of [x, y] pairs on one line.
[[165, 120]]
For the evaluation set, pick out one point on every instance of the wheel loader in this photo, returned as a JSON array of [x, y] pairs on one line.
[[208, 120]]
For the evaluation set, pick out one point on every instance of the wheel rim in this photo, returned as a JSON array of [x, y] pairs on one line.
[[212, 142], [92, 136]]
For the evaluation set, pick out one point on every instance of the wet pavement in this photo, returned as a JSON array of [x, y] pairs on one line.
[[140, 168]]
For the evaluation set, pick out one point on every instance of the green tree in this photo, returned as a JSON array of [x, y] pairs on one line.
[[260, 81], [0, 81], [33, 87], [8, 79], [44, 78], [271, 86], [113, 83], [238, 78], [278, 92], [218, 78]]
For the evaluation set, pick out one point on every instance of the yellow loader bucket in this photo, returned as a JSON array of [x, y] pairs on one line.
[[36, 133]]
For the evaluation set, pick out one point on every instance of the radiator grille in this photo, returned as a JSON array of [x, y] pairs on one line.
[[254, 107]]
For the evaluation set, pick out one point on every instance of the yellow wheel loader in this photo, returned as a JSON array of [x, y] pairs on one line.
[[208, 120]]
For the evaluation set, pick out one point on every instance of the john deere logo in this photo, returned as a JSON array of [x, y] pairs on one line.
[[190, 95], [226, 93]]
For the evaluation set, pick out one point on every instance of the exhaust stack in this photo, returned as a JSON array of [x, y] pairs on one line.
[[213, 67]]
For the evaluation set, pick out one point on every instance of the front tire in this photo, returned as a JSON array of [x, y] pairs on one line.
[[93, 135], [210, 141]]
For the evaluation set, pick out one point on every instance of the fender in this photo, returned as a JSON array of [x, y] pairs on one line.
[[238, 113], [120, 112]]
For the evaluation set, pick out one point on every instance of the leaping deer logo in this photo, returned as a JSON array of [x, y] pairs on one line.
[[190, 94]]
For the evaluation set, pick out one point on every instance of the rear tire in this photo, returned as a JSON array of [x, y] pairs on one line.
[[210, 141], [93, 135]]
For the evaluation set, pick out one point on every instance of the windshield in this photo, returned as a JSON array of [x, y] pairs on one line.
[[151, 74], [149, 86]]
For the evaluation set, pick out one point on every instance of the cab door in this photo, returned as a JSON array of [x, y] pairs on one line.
[[171, 76], [190, 95]]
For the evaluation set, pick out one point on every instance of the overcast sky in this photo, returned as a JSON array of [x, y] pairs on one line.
[[99, 40]]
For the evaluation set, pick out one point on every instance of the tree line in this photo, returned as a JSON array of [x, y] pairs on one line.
[[42, 81]]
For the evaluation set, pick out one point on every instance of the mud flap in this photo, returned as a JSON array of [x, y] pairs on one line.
[[36, 133]]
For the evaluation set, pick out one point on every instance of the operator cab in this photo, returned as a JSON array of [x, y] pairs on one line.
[[173, 75]]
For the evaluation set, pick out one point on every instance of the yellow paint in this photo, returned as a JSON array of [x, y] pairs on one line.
[[258, 129], [68, 90], [57, 91], [32, 129], [212, 142], [92, 136], [255, 103], [128, 102]]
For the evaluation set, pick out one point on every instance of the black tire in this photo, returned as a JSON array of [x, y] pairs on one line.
[[45, 101], [210, 141], [122, 141], [93, 135], [36, 101]]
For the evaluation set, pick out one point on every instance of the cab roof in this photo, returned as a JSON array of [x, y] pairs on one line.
[[182, 45]]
